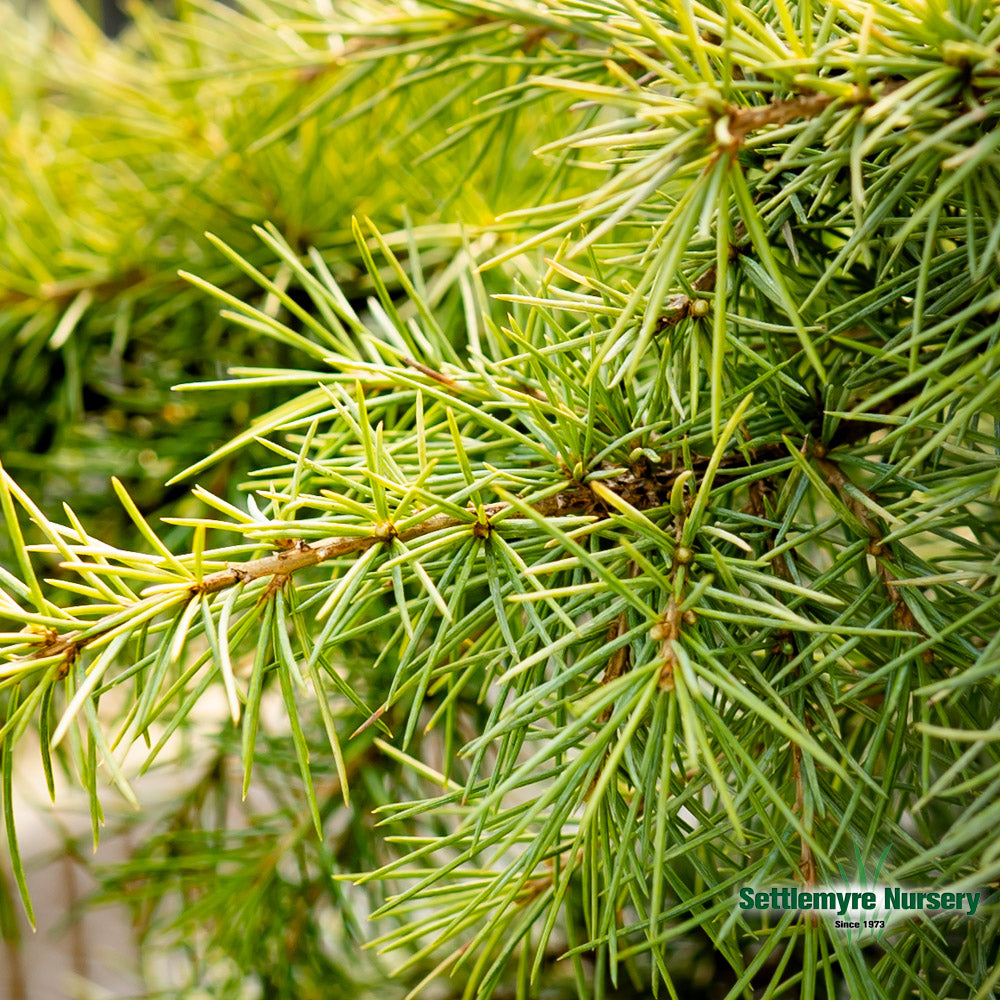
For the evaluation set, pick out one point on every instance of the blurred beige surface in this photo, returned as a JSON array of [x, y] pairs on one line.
[[86, 958], [76, 953]]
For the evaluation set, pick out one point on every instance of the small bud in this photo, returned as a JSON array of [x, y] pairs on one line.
[[385, 531], [683, 555], [723, 136]]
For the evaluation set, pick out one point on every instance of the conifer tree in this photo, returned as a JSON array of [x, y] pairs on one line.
[[598, 555]]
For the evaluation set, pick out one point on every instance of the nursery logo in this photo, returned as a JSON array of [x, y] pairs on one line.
[[860, 907]]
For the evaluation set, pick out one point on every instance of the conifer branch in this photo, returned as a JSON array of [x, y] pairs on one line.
[[609, 702], [645, 488]]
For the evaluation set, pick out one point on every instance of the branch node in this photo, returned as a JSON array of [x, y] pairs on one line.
[[385, 532], [665, 632]]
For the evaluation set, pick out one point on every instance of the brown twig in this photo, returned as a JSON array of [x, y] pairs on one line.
[[644, 489], [807, 863], [784, 647], [743, 121], [429, 372], [668, 629], [877, 548], [618, 662]]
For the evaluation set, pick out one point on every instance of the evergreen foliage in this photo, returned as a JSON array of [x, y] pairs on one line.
[[118, 157], [592, 562]]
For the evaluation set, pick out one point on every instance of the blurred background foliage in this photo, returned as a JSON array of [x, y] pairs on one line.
[[118, 155]]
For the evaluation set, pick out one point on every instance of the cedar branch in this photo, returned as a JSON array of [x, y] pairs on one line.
[[644, 489]]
